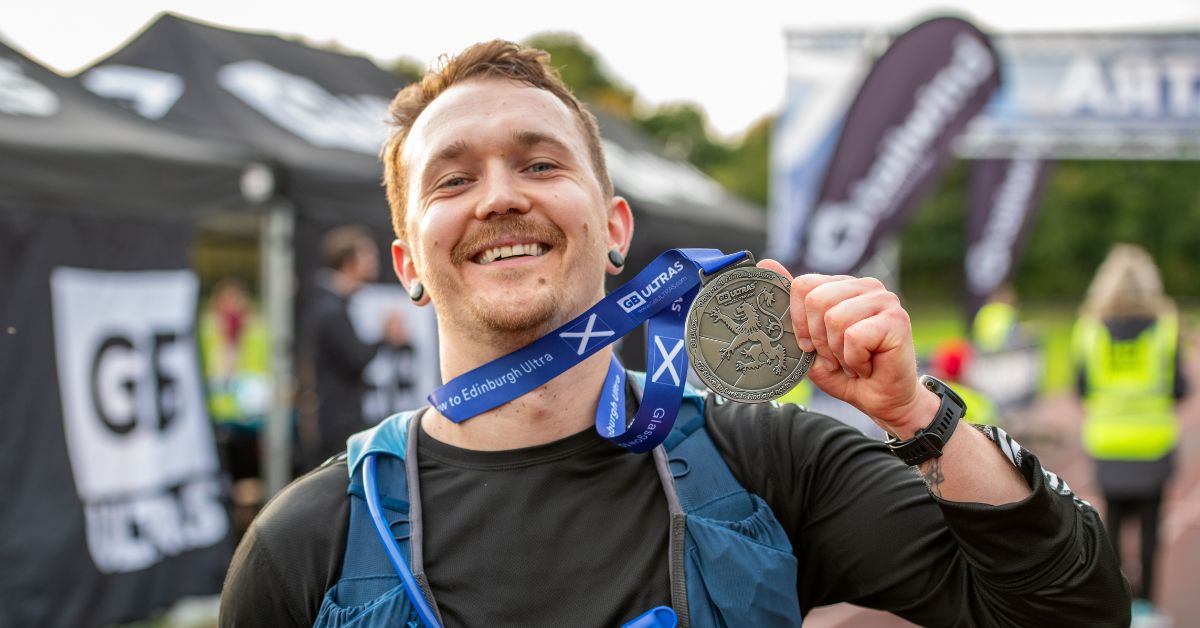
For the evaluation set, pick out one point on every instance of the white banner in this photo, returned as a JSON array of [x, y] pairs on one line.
[[396, 380], [825, 71], [141, 448], [1112, 95], [1066, 95]]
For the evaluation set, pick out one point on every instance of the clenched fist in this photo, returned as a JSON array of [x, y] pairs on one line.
[[863, 339]]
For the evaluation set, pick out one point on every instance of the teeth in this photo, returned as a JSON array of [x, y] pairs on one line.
[[503, 252]]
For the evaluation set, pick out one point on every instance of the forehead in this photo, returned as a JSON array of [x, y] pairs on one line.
[[485, 110]]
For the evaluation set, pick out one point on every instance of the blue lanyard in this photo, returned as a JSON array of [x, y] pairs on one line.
[[660, 293]]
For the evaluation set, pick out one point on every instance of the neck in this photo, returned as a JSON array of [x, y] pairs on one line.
[[559, 408]]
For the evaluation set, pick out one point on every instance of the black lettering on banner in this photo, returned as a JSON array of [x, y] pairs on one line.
[[116, 376], [114, 353], [166, 387], [134, 532]]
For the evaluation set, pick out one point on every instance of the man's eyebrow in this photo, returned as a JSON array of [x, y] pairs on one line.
[[529, 139], [448, 153]]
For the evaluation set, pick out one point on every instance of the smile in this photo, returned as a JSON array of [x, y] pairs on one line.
[[533, 249]]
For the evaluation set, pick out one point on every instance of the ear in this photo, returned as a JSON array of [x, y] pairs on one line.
[[406, 269], [620, 229]]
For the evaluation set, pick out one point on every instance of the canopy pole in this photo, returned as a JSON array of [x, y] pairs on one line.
[[276, 241]]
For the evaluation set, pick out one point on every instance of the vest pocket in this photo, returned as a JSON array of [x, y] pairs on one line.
[[391, 607], [744, 569]]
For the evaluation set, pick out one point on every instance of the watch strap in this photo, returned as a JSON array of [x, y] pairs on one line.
[[928, 442]]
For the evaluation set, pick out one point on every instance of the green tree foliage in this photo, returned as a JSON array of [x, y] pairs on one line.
[[408, 69], [932, 244], [682, 130], [746, 169], [582, 71]]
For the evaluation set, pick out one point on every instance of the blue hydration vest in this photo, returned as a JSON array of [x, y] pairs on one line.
[[731, 563]]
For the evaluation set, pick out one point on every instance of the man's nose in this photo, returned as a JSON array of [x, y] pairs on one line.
[[502, 194]]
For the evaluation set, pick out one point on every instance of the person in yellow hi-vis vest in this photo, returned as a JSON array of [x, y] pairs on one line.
[[234, 353], [995, 326], [801, 394], [1126, 344]]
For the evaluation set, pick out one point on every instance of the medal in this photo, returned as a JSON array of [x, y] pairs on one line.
[[739, 335]]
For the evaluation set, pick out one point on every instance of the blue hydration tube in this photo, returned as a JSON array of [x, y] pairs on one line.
[[657, 617], [415, 595]]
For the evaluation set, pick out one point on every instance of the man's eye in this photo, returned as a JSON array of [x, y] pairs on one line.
[[453, 182], [542, 166]]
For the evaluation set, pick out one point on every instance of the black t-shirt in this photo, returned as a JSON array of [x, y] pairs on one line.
[[575, 532]]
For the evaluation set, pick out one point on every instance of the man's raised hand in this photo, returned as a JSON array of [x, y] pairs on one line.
[[863, 339]]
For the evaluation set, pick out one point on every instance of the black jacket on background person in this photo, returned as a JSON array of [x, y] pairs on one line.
[[575, 532], [340, 358]]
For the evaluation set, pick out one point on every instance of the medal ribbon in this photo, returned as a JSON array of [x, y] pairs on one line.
[[660, 293]]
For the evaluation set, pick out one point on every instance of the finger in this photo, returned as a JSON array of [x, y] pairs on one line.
[[819, 301], [876, 336], [843, 315], [801, 286], [828, 376], [771, 264]]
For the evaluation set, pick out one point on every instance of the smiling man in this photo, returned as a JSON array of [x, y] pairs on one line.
[[748, 514]]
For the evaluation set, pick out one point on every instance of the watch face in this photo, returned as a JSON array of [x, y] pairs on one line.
[[740, 338]]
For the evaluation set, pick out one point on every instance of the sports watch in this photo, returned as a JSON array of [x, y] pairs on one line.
[[928, 443]]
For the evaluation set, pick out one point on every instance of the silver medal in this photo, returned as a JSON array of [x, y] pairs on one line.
[[739, 335]]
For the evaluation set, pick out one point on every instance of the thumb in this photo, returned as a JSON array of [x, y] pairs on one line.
[[771, 264]]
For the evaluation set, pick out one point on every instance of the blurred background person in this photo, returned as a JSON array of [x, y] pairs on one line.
[[800, 395], [351, 259], [995, 326], [234, 353], [1130, 377], [949, 363], [1003, 363]]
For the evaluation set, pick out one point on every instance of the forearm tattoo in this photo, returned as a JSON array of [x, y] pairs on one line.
[[931, 472]]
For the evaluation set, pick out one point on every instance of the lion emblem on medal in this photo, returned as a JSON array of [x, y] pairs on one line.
[[756, 334], [740, 338]]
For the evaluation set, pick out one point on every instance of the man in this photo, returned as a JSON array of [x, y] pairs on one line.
[[505, 218], [339, 355]]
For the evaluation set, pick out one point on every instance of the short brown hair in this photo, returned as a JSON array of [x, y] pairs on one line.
[[340, 244], [493, 59]]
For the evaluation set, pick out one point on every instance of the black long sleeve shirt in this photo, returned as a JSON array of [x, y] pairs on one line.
[[340, 358], [527, 537]]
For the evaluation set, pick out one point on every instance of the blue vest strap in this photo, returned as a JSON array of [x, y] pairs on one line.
[[739, 565], [366, 571]]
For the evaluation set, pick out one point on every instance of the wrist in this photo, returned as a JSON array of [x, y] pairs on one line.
[[929, 441], [918, 414]]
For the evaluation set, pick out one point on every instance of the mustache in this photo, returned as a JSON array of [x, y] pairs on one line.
[[507, 227]]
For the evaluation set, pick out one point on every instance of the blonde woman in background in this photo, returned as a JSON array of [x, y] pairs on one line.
[[1129, 377]]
